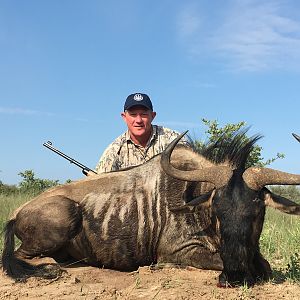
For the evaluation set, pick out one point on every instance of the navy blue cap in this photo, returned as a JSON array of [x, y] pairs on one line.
[[138, 99]]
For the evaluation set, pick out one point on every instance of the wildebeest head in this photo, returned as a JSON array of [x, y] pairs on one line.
[[237, 203]]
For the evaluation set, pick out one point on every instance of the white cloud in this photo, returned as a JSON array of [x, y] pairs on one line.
[[29, 112], [250, 36], [22, 111], [255, 37], [189, 22]]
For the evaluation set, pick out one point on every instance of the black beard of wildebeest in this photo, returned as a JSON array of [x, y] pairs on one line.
[[204, 210]]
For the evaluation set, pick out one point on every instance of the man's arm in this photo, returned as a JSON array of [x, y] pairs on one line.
[[108, 160]]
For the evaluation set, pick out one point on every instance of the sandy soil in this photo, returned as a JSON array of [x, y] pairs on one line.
[[86, 282]]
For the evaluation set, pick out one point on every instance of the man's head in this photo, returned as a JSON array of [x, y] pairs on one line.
[[138, 115]]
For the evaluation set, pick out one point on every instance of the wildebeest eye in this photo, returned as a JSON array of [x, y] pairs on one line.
[[256, 200]]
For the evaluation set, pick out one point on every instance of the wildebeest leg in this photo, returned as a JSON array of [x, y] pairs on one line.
[[205, 259], [195, 256], [262, 267], [45, 227]]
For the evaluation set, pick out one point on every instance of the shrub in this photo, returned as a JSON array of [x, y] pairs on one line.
[[6, 189], [33, 185]]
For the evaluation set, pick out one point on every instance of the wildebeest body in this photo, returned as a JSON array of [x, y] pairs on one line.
[[127, 221], [203, 212]]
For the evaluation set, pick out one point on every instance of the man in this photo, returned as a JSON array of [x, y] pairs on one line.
[[141, 141]]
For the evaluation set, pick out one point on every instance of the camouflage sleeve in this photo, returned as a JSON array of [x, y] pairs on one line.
[[188, 142], [170, 135], [108, 161]]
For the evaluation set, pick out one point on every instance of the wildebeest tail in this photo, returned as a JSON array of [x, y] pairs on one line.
[[8, 247], [12, 266]]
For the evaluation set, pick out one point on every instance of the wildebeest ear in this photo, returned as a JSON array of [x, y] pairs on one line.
[[281, 203], [204, 201]]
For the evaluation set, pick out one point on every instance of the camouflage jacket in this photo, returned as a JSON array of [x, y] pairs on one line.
[[123, 152]]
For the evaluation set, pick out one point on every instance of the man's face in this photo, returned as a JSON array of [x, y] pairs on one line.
[[138, 120]]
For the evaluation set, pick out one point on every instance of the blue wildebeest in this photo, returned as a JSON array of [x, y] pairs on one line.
[[180, 207]]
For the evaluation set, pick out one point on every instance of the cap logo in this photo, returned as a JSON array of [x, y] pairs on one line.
[[138, 97]]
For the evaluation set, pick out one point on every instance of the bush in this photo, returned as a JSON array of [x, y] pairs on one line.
[[214, 132], [33, 185], [6, 189]]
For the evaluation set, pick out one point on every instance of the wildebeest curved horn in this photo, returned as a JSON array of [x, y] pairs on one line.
[[257, 178], [297, 137], [217, 175]]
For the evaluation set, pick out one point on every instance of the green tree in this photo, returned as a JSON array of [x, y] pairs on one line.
[[214, 131], [30, 184]]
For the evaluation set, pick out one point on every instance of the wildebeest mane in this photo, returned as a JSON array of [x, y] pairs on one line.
[[234, 148]]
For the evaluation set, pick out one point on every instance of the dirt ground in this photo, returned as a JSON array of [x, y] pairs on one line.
[[85, 282]]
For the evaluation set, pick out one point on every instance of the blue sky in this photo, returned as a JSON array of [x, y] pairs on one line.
[[66, 68]]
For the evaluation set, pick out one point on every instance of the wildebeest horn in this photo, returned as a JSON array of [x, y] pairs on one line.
[[257, 178], [297, 137], [217, 175]]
